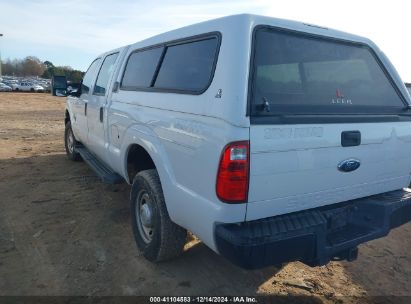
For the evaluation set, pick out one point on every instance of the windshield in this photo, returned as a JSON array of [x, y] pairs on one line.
[[294, 73]]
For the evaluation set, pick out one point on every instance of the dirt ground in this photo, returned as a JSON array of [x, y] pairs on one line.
[[63, 232]]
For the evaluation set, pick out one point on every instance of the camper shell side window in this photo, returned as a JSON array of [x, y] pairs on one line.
[[184, 66]]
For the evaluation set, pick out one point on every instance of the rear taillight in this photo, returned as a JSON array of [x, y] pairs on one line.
[[232, 176]]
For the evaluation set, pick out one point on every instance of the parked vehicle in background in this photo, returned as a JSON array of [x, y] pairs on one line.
[[28, 87], [271, 140], [11, 83], [59, 86], [5, 88], [47, 88], [15, 81]]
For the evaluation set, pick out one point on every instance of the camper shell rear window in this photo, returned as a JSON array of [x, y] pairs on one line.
[[295, 73]]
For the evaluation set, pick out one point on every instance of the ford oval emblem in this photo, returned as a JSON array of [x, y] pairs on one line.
[[349, 165]]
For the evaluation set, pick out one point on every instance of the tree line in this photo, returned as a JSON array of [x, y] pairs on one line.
[[33, 66]]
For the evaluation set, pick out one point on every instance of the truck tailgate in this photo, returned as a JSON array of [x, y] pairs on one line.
[[295, 167]]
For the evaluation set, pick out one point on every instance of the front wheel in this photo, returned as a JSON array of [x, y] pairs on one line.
[[156, 236], [70, 143]]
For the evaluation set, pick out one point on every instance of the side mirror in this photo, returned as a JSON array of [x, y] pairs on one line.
[[75, 91]]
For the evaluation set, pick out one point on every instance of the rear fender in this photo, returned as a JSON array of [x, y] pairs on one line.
[[147, 139]]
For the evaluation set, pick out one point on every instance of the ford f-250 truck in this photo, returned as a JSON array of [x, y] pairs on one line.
[[270, 140]]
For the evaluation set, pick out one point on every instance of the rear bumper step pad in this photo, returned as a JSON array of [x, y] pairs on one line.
[[313, 236]]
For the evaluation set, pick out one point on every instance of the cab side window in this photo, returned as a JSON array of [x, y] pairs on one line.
[[89, 76], [104, 75]]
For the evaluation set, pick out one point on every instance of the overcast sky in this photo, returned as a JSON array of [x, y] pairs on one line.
[[74, 32]]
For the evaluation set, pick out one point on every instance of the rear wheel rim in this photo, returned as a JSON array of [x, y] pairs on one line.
[[144, 216], [70, 141]]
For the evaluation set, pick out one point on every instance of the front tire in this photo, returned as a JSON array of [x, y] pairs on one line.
[[156, 236], [70, 143]]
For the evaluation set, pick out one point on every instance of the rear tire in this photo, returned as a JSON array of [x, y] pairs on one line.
[[70, 143], [156, 236]]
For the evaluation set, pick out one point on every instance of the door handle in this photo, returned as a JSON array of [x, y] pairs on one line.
[[85, 109], [350, 138], [101, 114], [116, 86]]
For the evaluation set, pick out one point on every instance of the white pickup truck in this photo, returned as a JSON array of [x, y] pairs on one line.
[[270, 140], [28, 87]]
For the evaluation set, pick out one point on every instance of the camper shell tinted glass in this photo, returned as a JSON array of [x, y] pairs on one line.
[[183, 66], [140, 68], [188, 66], [295, 73]]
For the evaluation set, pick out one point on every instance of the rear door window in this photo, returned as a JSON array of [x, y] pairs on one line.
[[300, 74]]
